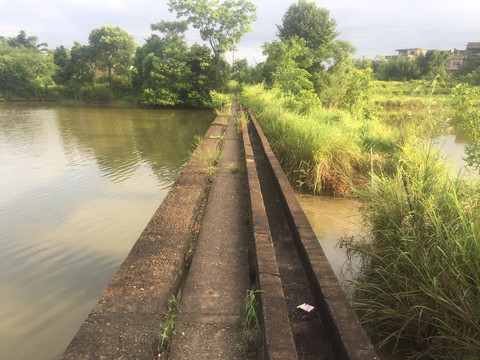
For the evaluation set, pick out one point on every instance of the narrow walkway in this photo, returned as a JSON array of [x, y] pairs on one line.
[[208, 324]]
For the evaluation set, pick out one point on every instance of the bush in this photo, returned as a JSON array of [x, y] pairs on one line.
[[218, 99]]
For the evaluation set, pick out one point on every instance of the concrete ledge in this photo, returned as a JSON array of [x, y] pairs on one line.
[[136, 298], [278, 338], [346, 335]]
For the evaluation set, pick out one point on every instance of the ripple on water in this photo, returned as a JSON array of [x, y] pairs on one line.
[[77, 187]]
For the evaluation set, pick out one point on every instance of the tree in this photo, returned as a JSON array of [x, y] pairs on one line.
[[242, 72], [112, 48], [171, 29], [221, 25], [15, 79], [471, 64], [22, 40], [287, 63], [202, 78], [82, 67], [309, 22], [399, 69], [161, 65], [433, 64], [61, 58]]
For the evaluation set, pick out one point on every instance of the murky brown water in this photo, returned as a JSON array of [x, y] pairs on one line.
[[77, 187], [333, 219]]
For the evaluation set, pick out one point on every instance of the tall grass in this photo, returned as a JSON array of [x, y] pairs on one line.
[[419, 289], [321, 150]]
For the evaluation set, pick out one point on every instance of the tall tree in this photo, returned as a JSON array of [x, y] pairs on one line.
[[222, 25], [112, 47], [307, 21], [82, 67], [61, 58], [310, 22], [162, 64]]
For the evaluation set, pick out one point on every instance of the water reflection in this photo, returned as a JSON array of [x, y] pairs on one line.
[[453, 146], [77, 186]]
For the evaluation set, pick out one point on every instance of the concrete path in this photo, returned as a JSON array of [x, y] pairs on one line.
[[208, 323]]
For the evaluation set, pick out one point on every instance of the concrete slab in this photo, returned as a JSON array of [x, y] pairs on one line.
[[208, 320]]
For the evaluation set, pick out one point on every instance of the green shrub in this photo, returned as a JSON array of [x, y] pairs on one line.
[[218, 99]]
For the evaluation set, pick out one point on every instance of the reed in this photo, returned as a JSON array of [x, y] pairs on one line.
[[419, 289], [321, 150]]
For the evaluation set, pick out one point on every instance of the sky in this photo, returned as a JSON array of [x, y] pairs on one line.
[[374, 27]]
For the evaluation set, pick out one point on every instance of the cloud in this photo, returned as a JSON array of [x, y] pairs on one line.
[[373, 26]]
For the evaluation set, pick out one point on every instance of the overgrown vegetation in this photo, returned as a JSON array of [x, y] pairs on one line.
[[241, 121], [418, 292], [208, 158], [321, 150]]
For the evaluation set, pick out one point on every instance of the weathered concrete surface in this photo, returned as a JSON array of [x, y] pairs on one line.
[[208, 321], [347, 338], [307, 329], [136, 298], [278, 339]]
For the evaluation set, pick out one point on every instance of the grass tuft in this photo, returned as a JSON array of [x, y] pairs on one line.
[[208, 158], [251, 336], [166, 330], [236, 168]]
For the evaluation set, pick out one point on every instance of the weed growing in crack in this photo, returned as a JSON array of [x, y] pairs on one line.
[[166, 330], [241, 121], [251, 336]]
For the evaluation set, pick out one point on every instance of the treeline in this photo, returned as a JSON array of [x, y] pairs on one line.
[[307, 61], [432, 65], [163, 71]]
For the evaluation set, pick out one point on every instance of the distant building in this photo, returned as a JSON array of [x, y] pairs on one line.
[[458, 57], [410, 53], [472, 49]]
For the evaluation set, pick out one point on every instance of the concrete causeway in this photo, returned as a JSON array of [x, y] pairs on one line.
[[238, 229], [208, 321]]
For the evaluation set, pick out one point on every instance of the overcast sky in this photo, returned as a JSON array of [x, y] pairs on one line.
[[374, 27]]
